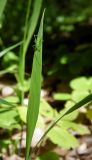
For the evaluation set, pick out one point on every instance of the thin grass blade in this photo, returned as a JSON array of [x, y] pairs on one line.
[[85, 101], [11, 69], [2, 53], [33, 21], [35, 87], [2, 101], [26, 21], [2, 6], [22, 54]]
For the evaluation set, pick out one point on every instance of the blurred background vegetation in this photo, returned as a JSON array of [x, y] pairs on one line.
[[67, 36]]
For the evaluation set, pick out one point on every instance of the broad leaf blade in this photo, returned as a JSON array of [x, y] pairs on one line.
[[79, 128], [81, 83], [62, 96], [35, 87], [62, 138], [22, 111], [8, 118]]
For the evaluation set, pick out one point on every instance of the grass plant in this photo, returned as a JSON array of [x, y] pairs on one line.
[[30, 25]]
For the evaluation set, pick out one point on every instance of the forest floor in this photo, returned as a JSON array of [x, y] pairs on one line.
[[82, 152]]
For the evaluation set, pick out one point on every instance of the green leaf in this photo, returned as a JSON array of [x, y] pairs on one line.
[[8, 118], [26, 85], [62, 138], [40, 122], [49, 156], [35, 88], [62, 96], [22, 113], [81, 83], [90, 81], [79, 128], [85, 101], [5, 143], [45, 109], [10, 58], [77, 95], [69, 104], [2, 6], [12, 99], [89, 114], [2, 101], [71, 116]]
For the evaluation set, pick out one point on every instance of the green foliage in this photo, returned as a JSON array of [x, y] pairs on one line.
[[8, 119], [81, 83], [2, 6], [66, 14], [63, 126], [12, 100], [78, 128], [89, 114], [46, 110], [59, 133], [49, 155], [68, 27], [81, 87], [71, 116], [2, 101], [84, 101], [22, 113], [4, 143], [61, 96], [62, 138], [10, 60], [67, 21]]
